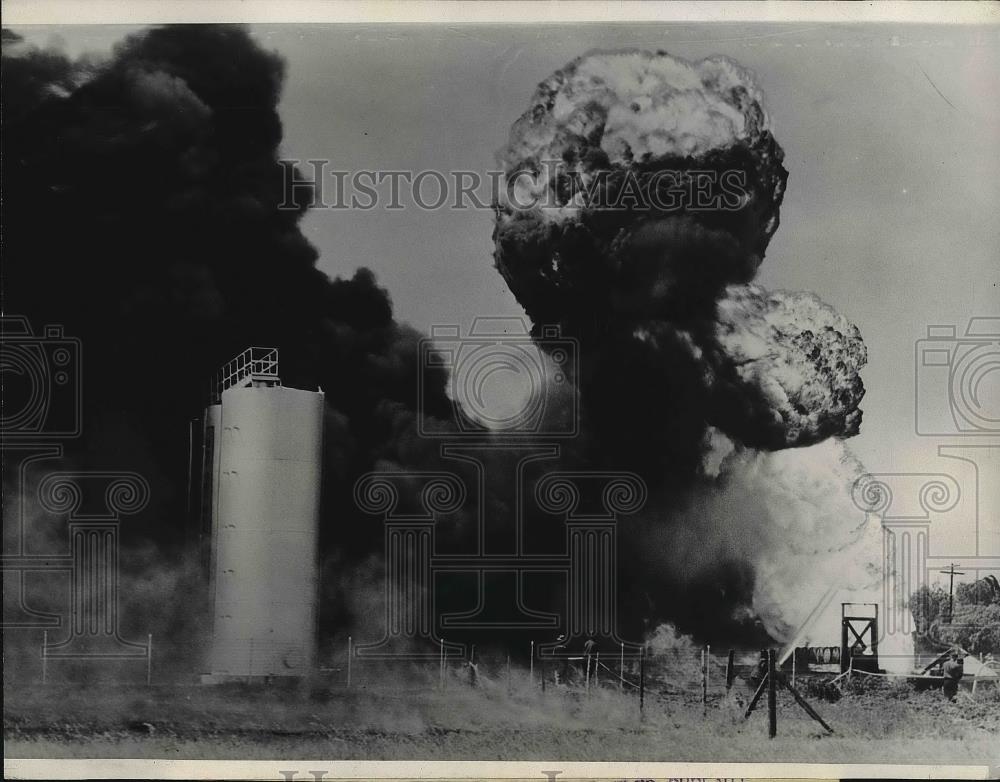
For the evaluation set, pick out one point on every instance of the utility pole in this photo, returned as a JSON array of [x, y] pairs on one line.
[[951, 573]]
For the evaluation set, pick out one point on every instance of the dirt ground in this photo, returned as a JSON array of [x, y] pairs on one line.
[[491, 722]]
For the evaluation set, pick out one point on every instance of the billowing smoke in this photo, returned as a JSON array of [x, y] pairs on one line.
[[645, 191], [141, 199], [785, 369]]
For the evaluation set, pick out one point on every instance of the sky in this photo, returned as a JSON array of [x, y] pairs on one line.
[[892, 141]]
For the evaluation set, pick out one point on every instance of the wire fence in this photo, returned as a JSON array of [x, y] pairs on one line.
[[734, 685], [691, 673]]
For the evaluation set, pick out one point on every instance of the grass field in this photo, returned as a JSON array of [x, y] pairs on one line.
[[881, 724]]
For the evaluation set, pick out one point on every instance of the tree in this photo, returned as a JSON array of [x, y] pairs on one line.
[[929, 605], [975, 624], [976, 628], [981, 592]]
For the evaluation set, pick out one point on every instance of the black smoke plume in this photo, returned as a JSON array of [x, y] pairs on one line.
[[648, 189], [141, 212], [141, 199]]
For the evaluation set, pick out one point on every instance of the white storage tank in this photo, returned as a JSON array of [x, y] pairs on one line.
[[265, 494]]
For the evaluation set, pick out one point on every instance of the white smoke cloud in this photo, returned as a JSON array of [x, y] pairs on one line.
[[804, 534]]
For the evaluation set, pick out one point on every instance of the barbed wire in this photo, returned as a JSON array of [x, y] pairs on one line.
[[617, 676]]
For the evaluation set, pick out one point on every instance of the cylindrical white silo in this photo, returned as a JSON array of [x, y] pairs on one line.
[[209, 492], [264, 567]]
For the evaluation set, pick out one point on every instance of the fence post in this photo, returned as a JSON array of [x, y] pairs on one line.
[[586, 672], [730, 669], [793, 666], [531, 664], [621, 669], [441, 666], [701, 671], [772, 705], [149, 659], [45, 656], [704, 678], [642, 679], [597, 665], [350, 654]]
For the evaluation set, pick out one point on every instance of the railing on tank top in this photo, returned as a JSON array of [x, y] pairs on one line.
[[252, 362]]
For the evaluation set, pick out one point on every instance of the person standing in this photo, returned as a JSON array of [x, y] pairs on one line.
[[953, 671]]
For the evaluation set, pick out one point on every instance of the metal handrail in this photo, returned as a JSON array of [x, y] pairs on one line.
[[254, 361]]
